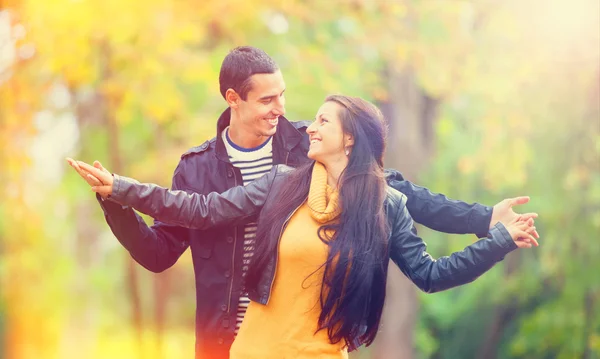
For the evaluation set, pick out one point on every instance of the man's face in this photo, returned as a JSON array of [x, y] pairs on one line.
[[264, 104]]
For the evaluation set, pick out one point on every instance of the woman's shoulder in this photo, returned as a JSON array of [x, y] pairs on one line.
[[395, 205], [279, 173], [395, 208], [282, 169], [395, 198]]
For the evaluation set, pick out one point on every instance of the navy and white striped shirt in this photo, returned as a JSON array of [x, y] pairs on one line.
[[253, 163]]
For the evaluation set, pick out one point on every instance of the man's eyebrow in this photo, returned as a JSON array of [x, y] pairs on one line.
[[270, 96]]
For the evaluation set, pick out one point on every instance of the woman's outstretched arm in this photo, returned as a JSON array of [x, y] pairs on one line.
[[190, 210]]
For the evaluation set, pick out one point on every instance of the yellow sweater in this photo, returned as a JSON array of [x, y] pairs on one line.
[[285, 327]]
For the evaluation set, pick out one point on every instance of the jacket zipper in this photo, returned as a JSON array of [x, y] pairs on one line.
[[278, 243], [232, 258]]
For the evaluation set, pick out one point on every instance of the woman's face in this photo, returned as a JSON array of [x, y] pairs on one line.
[[327, 139]]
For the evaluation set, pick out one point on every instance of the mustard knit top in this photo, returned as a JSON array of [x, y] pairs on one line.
[[285, 327]]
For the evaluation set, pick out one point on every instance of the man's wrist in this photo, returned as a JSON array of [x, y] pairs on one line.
[[493, 219], [480, 220]]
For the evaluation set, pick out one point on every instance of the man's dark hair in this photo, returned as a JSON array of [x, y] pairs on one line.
[[239, 65]]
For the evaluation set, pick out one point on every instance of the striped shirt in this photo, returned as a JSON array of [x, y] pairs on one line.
[[253, 163]]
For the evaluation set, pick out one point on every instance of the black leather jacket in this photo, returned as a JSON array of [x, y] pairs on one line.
[[217, 252], [240, 204]]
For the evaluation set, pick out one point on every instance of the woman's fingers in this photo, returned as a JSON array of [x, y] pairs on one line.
[[529, 226], [526, 216], [93, 181], [522, 234], [103, 176], [521, 244], [523, 226], [525, 237], [99, 166]]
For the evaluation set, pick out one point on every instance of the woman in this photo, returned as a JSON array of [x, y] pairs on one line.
[[325, 234]]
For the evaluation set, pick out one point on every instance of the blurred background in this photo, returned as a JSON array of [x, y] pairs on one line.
[[486, 100]]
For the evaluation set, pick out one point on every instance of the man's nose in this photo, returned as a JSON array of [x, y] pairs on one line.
[[279, 108]]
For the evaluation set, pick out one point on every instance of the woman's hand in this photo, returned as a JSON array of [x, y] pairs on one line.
[[503, 212], [91, 180], [97, 176], [522, 232]]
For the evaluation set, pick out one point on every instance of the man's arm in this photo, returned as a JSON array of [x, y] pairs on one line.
[[442, 214], [156, 248]]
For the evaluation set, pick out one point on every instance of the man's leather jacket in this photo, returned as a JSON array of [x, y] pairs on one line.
[[217, 253]]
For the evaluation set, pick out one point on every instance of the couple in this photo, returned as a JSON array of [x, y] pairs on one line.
[[316, 272]]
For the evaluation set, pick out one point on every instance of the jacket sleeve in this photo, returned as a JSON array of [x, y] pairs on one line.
[[408, 251], [440, 213], [194, 210], [157, 247]]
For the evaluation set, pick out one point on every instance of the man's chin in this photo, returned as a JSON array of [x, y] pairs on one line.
[[270, 131]]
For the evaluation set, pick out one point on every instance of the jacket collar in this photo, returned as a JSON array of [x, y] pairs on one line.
[[284, 140]]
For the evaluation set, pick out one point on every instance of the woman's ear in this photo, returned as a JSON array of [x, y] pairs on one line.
[[348, 140], [232, 98], [348, 143]]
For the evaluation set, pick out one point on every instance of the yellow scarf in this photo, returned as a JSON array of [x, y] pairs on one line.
[[322, 199]]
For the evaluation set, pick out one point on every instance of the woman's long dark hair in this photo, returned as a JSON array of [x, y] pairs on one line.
[[353, 288]]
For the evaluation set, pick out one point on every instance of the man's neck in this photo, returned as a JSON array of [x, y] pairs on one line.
[[244, 138]]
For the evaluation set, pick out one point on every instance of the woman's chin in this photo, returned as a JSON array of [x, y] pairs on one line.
[[313, 155]]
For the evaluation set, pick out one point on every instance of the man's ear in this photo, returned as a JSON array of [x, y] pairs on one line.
[[232, 98]]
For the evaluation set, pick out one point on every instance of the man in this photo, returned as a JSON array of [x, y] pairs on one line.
[[252, 135]]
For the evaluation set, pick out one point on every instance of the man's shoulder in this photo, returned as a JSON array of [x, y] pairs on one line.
[[193, 160], [197, 150], [300, 125]]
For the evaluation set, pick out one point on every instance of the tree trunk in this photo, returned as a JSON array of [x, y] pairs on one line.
[[132, 277], [82, 326], [110, 106], [503, 314], [161, 280], [588, 328], [410, 114], [161, 290]]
